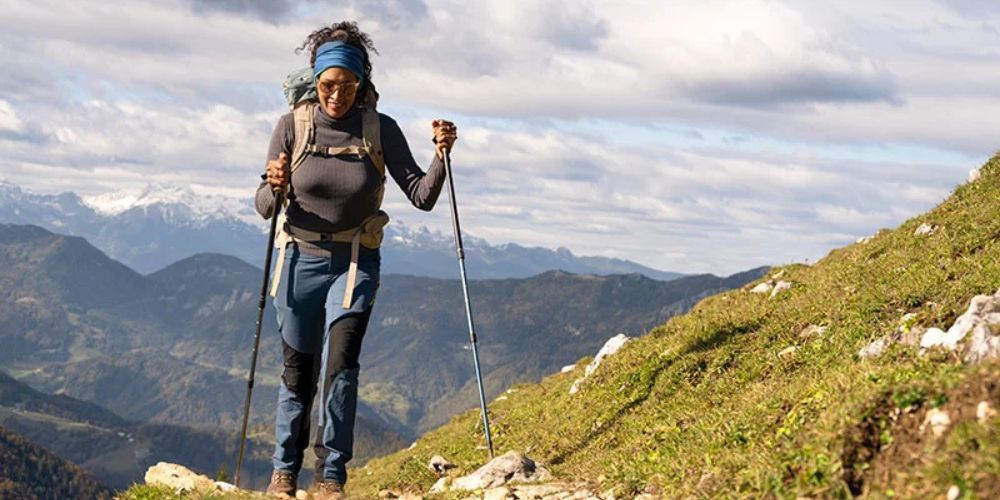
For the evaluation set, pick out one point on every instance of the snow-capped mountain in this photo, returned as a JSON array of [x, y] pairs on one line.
[[196, 208], [151, 228]]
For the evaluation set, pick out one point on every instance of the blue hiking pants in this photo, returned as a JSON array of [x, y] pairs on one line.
[[321, 344]]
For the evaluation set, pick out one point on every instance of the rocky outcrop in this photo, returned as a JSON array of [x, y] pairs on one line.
[[980, 319]]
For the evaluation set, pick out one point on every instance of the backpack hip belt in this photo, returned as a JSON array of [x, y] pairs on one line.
[[369, 234]]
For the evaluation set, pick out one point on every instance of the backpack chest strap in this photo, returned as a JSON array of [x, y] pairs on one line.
[[359, 151]]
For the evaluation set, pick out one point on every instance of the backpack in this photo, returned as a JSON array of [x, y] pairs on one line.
[[300, 93]]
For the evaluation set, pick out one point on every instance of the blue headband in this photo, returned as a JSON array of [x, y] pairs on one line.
[[340, 55]]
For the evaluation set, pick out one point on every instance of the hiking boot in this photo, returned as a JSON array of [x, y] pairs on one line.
[[329, 490], [283, 484]]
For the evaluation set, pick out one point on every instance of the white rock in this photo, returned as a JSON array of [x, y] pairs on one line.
[[224, 486], [984, 412], [567, 369], [439, 465], [934, 337], [876, 348], [502, 398], [500, 493], [778, 275], [781, 286], [983, 345], [953, 492], [925, 229], [938, 420], [983, 310], [441, 485], [532, 491], [813, 331], [974, 175], [612, 346], [864, 239], [762, 288], [177, 477], [788, 351], [506, 468]]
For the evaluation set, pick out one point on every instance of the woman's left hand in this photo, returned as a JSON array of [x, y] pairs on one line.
[[445, 135]]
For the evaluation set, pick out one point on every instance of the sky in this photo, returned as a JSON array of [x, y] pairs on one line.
[[691, 136]]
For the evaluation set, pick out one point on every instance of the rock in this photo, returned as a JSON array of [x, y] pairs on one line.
[[178, 477], [441, 485], [612, 346], [935, 337], [567, 369], [788, 351], [500, 493], [813, 331], [983, 345], [954, 491], [781, 286], [301, 495], [439, 465], [938, 420], [864, 240], [983, 311], [925, 229], [778, 275], [224, 486], [876, 348], [984, 412], [762, 288], [506, 468], [974, 175], [912, 336]]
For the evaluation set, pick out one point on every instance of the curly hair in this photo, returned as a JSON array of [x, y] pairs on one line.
[[349, 33]]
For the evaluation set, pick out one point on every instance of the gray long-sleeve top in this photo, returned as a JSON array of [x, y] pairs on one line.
[[336, 193]]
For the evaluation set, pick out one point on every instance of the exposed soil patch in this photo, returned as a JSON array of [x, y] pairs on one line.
[[863, 442], [886, 448]]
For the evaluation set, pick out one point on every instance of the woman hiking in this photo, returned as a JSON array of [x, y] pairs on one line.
[[329, 274]]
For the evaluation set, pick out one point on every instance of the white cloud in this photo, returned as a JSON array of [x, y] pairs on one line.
[[9, 121], [600, 126]]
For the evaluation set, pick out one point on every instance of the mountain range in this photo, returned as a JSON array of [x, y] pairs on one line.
[[161, 224]]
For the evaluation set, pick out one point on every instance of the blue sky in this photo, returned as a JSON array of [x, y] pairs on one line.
[[693, 136]]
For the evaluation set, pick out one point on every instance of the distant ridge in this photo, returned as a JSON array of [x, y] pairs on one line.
[[29, 471], [164, 223]]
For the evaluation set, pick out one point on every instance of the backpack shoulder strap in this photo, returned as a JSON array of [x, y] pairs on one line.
[[304, 129], [372, 136]]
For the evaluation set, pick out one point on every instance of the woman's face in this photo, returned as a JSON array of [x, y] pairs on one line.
[[336, 89]]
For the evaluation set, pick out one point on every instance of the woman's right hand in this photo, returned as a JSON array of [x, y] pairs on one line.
[[278, 172]]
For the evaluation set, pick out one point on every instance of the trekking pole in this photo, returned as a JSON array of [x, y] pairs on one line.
[[465, 292], [278, 200]]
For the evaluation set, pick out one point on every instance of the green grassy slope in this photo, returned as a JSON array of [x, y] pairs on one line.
[[705, 405]]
